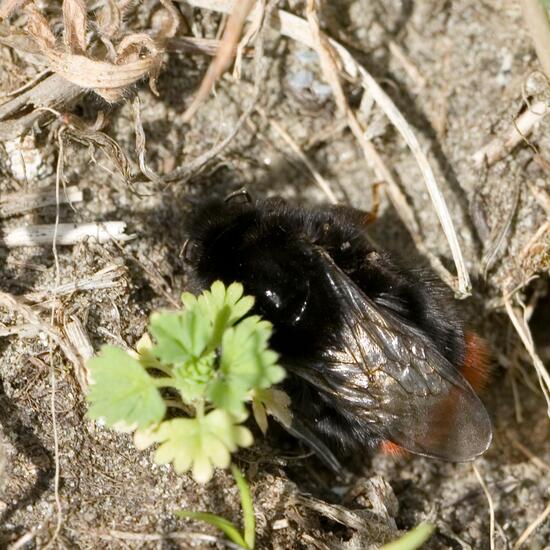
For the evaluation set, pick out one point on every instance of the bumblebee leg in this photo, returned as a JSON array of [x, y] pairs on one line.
[[301, 431], [372, 216]]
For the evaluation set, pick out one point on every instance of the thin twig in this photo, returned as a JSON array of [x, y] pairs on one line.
[[491, 507], [492, 252], [65, 233], [108, 277], [500, 146], [529, 454], [57, 471], [317, 177], [522, 328], [224, 56], [17, 203], [531, 528], [197, 164]]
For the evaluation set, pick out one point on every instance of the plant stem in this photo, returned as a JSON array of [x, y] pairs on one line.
[[413, 539], [199, 407], [158, 366], [538, 25], [247, 505], [165, 382]]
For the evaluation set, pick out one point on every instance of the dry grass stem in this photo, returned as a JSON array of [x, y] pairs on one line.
[[14, 305], [495, 247], [410, 68], [491, 506], [185, 172], [307, 33], [141, 143], [67, 234], [18, 203], [522, 328], [194, 44], [538, 24], [529, 454], [19, 113], [77, 335], [256, 19], [500, 146], [531, 528], [323, 184], [108, 277], [224, 56]]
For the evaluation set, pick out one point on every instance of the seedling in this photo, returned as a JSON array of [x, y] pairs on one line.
[[412, 540], [247, 539], [208, 359]]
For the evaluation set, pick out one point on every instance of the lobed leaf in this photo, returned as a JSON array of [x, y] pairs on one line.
[[246, 357], [200, 444], [122, 392], [180, 336]]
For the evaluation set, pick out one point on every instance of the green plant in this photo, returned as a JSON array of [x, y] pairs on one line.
[[415, 538], [247, 539], [208, 359]]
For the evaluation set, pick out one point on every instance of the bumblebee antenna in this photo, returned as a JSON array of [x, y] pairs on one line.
[[239, 193]]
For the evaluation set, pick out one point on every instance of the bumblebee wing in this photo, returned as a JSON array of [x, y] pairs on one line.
[[391, 375]]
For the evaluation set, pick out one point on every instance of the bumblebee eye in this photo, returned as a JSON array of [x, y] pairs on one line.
[[273, 298], [286, 304]]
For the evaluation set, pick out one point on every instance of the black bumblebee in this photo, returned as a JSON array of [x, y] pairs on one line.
[[375, 354]]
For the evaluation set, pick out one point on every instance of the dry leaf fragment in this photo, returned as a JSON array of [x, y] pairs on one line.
[[75, 21]]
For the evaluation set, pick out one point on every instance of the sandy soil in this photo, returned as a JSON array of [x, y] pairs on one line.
[[468, 65]]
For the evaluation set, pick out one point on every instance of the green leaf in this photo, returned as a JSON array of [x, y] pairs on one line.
[[224, 525], [222, 306], [200, 444], [413, 539], [122, 391], [192, 377], [181, 336], [246, 357], [231, 298], [229, 394], [247, 506]]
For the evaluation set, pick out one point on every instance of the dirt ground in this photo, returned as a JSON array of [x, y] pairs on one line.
[[460, 73]]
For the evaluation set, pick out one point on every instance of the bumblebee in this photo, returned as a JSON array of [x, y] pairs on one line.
[[376, 354]]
